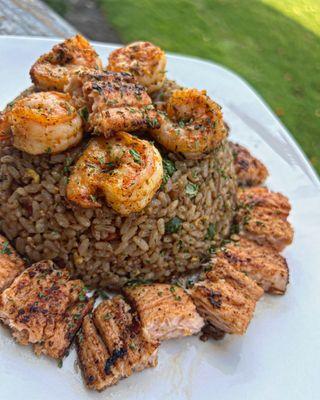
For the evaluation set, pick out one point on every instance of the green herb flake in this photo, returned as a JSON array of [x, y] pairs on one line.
[[168, 169], [173, 225], [41, 295], [132, 346], [136, 156], [211, 231], [107, 316], [60, 363], [104, 294], [5, 248], [212, 250], [191, 189], [48, 150], [101, 160], [84, 113], [82, 295]]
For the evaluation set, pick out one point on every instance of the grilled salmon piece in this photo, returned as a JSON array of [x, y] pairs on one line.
[[260, 262], [256, 197], [226, 299], [121, 332], [40, 304], [166, 311], [11, 265], [93, 355], [111, 345], [265, 228], [262, 217], [249, 170]]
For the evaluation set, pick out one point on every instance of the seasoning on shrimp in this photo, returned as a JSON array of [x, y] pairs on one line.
[[51, 70], [44, 122], [127, 170], [145, 61], [192, 124]]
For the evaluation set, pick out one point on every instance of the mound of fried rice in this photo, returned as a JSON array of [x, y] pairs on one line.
[[173, 235]]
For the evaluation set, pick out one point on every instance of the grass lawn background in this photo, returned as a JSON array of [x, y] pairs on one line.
[[273, 44]]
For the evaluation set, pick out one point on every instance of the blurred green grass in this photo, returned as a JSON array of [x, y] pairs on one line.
[[274, 45]]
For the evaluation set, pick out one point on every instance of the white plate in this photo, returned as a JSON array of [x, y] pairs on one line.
[[278, 358]]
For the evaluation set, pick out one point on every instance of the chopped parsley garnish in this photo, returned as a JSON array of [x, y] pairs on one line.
[[5, 248], [101, 160], [93, 198], [192, 189], [211, 231], [103, 294], [138, 282], [84, 113], [48, 150], [173, 225], [136, 156], [41, 295], [168, 169], [212, 249], [82, 295], [132, 346], [60, 363], [152, 123], [107, 316]]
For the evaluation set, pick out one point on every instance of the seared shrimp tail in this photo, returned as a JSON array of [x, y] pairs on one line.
[[145, 61], [44, 122], [126, 170], [192, 124], [51, 70]]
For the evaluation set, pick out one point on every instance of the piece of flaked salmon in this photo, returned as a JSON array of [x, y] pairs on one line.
[[120, 330], [262, 217], [93, 355], [116, 334], [166, 311], [226, 299], [260, 262], [249, 170], [11, 265], [264, 227], [44, 307], [256, 197]]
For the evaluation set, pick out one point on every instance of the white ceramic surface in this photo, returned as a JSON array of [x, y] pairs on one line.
[[279, 356]]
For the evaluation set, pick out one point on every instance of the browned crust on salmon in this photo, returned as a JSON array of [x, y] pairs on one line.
[[249, 170], [261, 263], [262, 197], [45, 308], [92, 356], [166, 311], [226, 299], [112, 346], [262, 217]]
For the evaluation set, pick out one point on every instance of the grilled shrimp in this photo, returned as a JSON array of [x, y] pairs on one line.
[[113, 100], [127, 170], [51, 70], [192, 125], [44, 122], [145, 61]]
